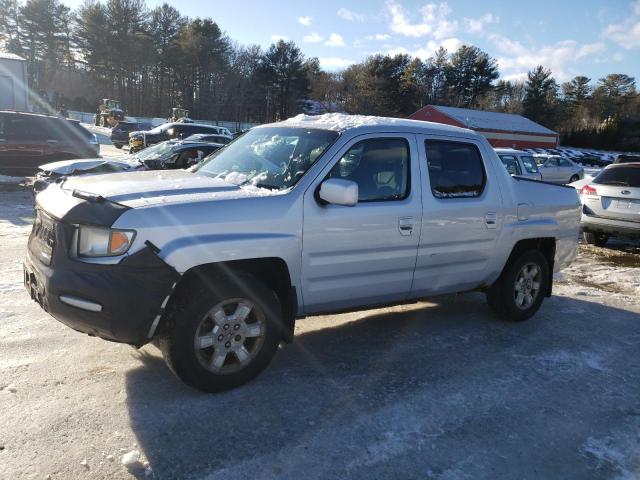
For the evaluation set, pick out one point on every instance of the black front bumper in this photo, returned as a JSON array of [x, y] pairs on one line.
[[130, 294]]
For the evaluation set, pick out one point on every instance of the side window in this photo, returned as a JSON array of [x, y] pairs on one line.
[[455, 169], [529, 164], [511, 164], [552, 162], [380, 167], [21, 127], [564, 162]]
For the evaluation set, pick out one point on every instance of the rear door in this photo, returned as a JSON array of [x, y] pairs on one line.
[[566, 170], [26, 145], [550, 171], [462, 216], [365, 254]]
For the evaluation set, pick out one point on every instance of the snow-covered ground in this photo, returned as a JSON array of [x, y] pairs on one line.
[[433, 390]]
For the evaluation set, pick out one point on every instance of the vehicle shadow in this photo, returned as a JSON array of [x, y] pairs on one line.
[[440, 390]]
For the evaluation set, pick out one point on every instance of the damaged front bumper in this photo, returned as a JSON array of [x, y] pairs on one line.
[[119, 302]]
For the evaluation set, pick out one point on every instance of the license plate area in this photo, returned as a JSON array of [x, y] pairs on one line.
[[35, 288]]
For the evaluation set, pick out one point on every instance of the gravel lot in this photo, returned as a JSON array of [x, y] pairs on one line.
[[438, 390]]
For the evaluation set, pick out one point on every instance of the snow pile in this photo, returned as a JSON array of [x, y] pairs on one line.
[[9, 179], [338, 121], [131, 458]]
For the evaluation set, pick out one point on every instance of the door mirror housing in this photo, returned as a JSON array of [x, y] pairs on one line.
[[337, 191]]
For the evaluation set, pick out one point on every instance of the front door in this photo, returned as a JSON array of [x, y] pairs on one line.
[[365, 254], [462, 216]]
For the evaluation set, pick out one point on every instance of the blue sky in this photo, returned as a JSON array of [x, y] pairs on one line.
[[588, 37]]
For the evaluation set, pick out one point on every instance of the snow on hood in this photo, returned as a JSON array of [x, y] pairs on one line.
[[145, 188], [71, 167]]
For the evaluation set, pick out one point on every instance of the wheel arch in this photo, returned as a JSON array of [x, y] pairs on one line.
[[273, 271], [545, 245]]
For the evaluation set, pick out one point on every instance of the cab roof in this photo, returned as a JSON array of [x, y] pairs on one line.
[[341, 122]]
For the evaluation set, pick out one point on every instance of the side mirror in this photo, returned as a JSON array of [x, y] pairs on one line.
[[337, 191]]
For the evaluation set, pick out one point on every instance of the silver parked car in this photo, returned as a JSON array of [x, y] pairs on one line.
[[557, 169], [611, 204], [519, 163]]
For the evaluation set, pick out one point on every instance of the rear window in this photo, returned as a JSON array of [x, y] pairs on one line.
[[511, 164], [529, 164], [623, 176], [84, 133], [455, 169]]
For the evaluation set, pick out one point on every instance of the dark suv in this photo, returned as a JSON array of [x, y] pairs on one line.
[[120, 133], [170, 131], [28, 140]]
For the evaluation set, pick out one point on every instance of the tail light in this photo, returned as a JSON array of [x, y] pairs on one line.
[[589, 191]]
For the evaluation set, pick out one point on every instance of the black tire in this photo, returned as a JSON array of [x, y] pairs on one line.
[[597, 239], [185, 317], [575, 178], [118, 145], [502, 295]]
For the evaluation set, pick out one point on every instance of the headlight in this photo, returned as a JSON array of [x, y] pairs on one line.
[[103, 242]]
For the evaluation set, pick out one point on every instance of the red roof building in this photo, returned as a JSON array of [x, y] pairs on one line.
[[501, 129]]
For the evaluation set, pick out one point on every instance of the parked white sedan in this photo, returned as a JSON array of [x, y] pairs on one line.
[[557, 169]]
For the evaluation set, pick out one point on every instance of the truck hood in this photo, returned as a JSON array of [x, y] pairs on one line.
[[145, 188]]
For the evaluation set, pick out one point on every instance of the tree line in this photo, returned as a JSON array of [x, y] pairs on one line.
[[155, 59]]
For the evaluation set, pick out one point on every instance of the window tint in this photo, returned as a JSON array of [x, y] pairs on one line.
[[564, 162], [622, 176], [529, 164], [552, 162], [21, 127], [380, 167], [511, 164], [455, 169]]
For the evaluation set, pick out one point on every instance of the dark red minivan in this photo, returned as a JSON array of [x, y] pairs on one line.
[[30, 139]]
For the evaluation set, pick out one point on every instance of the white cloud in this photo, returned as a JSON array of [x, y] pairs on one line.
[[433, 21], [277, 38], [590, 49], [627, 33], [476, 25], [313, 38], [379, 36], [515, 59], [306, 21], [335, 40], [350, 15], [617, 57], [334, 63], [423, 53]]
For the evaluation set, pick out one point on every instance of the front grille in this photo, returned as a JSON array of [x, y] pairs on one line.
[[43, 237]]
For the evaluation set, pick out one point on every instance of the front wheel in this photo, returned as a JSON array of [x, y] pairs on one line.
[[575, 178], [118, 145], [222, 335], [597, 239], [518, 293]]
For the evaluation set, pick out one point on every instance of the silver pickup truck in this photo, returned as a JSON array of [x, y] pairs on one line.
[[311, 215]]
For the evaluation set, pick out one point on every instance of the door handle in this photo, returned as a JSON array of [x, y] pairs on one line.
[[491, 220], [52, 141], [405, 225]]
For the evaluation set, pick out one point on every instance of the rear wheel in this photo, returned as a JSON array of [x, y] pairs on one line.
[[118, 145], [521, 288], [597, 239], [575, 178], [222, 336]]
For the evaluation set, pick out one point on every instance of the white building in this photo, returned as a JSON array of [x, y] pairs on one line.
[[14, 90]]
